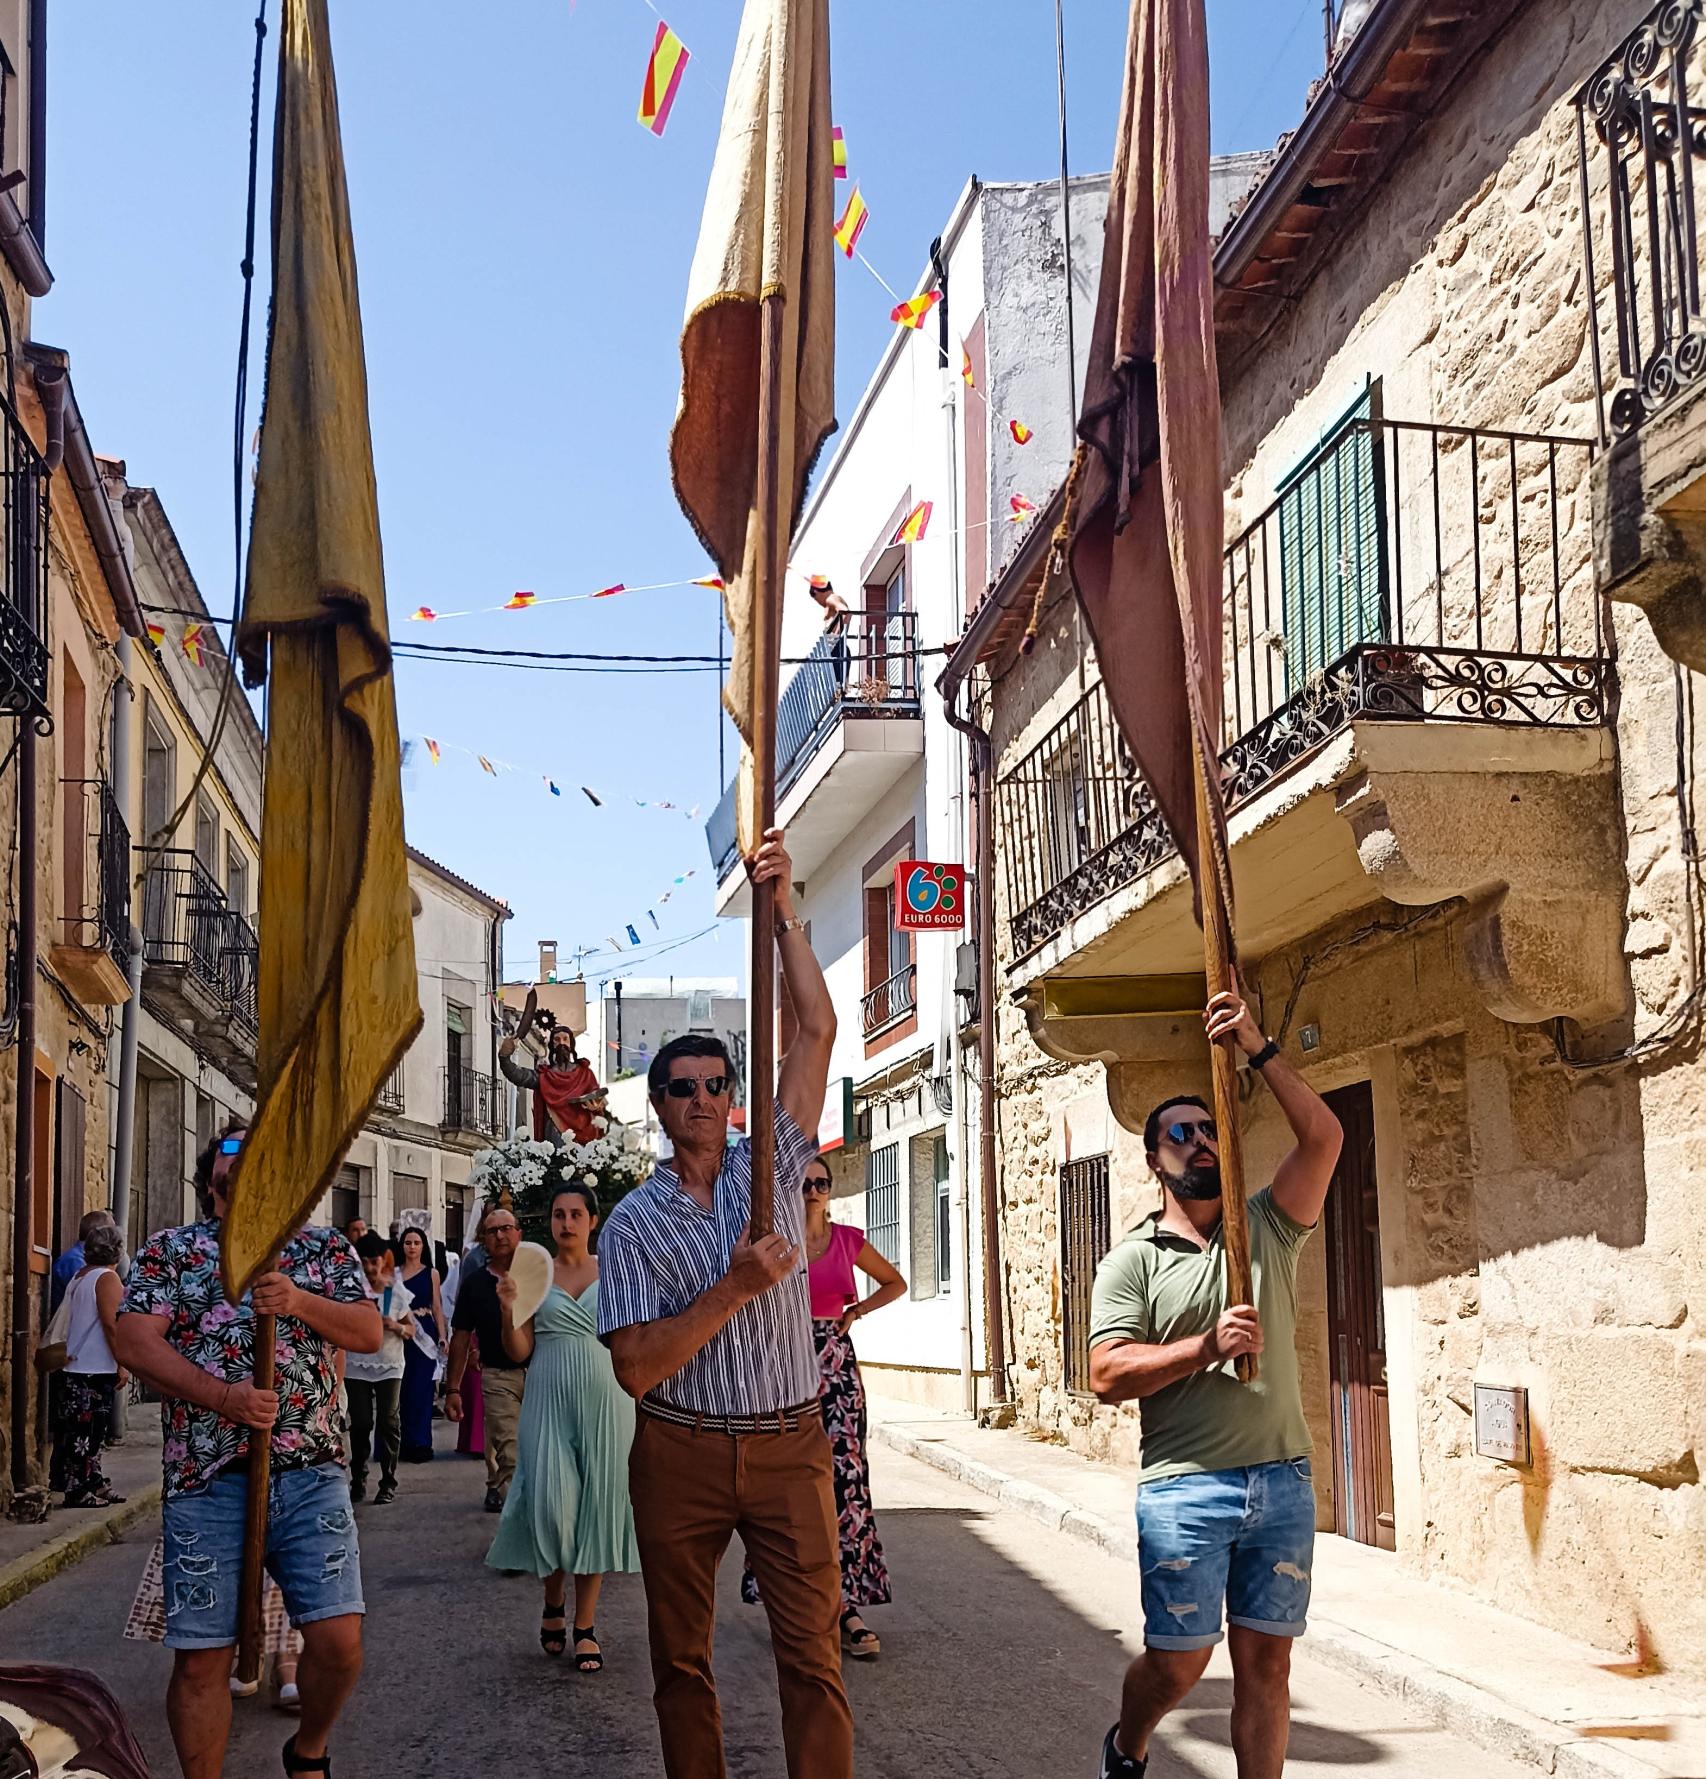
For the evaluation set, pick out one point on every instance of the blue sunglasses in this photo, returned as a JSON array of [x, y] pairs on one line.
[[230, 1145]]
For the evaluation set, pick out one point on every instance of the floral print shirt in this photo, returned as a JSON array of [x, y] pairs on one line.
[[176, 1277]]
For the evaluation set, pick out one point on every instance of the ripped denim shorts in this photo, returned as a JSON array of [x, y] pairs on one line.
[[312, 1552], [1242, 1538]]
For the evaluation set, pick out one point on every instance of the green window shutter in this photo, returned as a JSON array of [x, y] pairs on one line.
[[1331, 563]]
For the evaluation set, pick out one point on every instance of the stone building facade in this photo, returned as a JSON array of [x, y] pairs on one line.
[[1462, 786]]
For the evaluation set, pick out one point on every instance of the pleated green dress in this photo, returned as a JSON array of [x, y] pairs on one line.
[[568, 1506]]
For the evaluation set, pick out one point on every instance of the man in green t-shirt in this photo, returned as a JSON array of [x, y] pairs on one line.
[[1225, 1501]]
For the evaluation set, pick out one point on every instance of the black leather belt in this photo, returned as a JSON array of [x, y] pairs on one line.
[[779, 1420]]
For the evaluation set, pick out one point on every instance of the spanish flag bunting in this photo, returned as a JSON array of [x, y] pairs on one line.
[[610, 592], [592, 797], [838, 152], [486, 765], [966, 370], [156, 635], [190, 643], [1020, 431], [668, 63], [423, 614], [519, 602], [852, 224], [713, 581], [432, 748], [911, 313], [1022, 509], [914, 525]]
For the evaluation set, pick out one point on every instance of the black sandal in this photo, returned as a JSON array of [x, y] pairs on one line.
[[555, 1642], [303, 1763], [593, 1660], [864, 1644]]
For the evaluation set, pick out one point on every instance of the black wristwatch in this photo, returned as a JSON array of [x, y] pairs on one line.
[[1265, 1055]]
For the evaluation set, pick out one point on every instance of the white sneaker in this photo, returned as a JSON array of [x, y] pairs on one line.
[[241, 1689]]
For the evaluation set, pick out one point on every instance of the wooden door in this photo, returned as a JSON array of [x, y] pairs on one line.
[[1356, 1333]]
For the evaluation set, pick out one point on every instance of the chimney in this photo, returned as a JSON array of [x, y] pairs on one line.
[[547, 960]]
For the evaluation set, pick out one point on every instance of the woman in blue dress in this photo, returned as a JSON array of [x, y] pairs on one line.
[[419, 1370], [568, 1512]]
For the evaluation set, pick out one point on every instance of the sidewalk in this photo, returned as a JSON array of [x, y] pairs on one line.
[[1498, 1680], [32, 1555]]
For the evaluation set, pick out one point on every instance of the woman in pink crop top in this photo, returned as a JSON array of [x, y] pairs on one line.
[[835, 1250]]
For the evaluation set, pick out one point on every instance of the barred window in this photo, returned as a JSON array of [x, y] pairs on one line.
[[1084, 1238], [882, 1201]]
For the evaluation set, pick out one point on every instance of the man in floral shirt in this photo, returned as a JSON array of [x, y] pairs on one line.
[[177, 1331]]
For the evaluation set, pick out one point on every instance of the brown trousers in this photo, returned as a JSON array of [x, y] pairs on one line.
[[691, 1493], [503, 1388]]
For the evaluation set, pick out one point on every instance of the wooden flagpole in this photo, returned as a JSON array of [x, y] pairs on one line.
[[766, 688], [1217, 966], [251, 1619]]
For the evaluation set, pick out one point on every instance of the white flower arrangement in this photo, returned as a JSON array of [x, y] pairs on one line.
[[524, 1173]]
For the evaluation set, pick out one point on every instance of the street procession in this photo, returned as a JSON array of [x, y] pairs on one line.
[[853, 916]]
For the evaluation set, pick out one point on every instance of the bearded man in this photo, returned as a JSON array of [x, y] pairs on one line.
[[566, 1095], [1226, 1501]]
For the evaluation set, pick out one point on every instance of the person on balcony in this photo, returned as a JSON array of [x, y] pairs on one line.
[[1225, 1500], [837, 621], [567, 1099]]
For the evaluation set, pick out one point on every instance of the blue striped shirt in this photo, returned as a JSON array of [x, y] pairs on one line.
[[660, 1249]]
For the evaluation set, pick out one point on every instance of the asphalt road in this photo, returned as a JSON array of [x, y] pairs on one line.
[[1002, 1658]]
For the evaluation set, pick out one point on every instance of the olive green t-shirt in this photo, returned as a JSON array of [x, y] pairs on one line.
[[1157, 1287]]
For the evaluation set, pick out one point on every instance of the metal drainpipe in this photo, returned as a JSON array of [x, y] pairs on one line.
[[130, 1025], [956, 1046], [23, 1159], [995, 1297]]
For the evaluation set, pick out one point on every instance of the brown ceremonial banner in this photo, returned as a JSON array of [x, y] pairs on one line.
[[1144, 514], [768, 230], [338, 1001]]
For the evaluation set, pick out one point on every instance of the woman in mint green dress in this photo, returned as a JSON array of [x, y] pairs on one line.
[[568, 1512]]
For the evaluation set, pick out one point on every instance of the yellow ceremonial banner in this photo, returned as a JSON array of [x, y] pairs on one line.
[[768, 230], [338, 1004]]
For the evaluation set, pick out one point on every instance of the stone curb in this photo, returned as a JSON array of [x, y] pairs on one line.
[[1478, 1716], [23, 1575]]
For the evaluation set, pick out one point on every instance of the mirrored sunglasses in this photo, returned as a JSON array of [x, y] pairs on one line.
[[230, 1145], [1187, 1130], [684, 1087]]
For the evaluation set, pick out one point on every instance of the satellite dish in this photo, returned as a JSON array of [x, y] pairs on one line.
[[531, 1270]]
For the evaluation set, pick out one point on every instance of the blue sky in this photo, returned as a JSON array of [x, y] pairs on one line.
[[523, 248]]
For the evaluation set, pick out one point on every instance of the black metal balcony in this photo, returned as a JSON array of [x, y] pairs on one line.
[[23, 606], [201, 959], [889, 1002], [870, 671], [1641, 136], [390, 1097], [473, 1103], [99, 915], [1407, 573]]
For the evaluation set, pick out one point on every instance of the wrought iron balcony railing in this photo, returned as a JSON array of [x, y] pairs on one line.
[[23, 605], [473, 1102], [890, 1002], [189, 927], [1406, 573], [391, 1094], [1641, 137], [871, 670], [99, 885]]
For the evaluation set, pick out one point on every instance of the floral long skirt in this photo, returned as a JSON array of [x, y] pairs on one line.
[[864, 1573]]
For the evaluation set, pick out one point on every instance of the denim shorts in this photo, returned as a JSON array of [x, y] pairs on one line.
[[312, 1552], [1242, 1537]]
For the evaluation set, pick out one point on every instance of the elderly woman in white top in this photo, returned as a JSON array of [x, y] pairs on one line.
[[92, 1375]]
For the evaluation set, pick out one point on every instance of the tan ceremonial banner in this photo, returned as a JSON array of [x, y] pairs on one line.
[[768, 230], [338, 1001], [1144, 509]]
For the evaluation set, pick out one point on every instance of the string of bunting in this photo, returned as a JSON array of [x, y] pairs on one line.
[[435, 750]]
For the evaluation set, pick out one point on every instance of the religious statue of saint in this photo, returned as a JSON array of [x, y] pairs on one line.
[[566, 1094]]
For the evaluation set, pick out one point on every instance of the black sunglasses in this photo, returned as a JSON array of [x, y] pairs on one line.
[[1182, 1132], [683, 1087], [808, 1184]]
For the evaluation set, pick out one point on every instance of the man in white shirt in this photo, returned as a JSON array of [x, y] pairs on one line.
[[375, 1380]]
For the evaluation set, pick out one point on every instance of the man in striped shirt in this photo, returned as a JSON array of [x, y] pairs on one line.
[[711, 1330]]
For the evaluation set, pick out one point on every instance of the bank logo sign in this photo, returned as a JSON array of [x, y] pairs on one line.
[[929, 898]]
